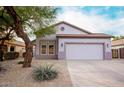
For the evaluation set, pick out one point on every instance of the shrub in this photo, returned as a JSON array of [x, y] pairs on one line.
[[44, 73], [11, 55]]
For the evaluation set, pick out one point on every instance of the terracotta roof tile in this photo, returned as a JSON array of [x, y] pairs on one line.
[[118, 42]]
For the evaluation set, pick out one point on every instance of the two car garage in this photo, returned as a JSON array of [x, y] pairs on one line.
[[87, 51], [84, 46]]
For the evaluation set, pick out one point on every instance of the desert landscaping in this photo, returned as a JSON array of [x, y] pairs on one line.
[[16, 76]]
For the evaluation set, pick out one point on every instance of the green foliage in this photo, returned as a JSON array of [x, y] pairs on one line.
[[6, 21], [45, 31], [44, 73], [37, 19], [117, 37], [6, 25], [34, 18]]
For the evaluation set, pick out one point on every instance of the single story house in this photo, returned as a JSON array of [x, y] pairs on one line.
[[73, 43], [118, 48], [14, 46], [116, 44]]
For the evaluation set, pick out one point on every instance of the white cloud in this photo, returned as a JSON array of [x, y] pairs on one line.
[[92, 22]]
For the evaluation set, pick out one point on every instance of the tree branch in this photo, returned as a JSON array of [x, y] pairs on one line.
[[20, 33], [7, 37]]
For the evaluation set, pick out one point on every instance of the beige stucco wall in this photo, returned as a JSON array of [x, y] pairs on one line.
[[19, 49], [117, 47], [19, 46]]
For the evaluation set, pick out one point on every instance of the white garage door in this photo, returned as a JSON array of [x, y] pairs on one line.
[[84, 51]]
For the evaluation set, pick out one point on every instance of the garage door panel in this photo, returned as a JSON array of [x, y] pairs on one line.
[[84, 51]]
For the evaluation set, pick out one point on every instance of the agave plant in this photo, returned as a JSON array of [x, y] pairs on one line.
[[46, 72]]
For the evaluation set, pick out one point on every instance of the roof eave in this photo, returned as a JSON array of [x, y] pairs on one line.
[[83, 36]]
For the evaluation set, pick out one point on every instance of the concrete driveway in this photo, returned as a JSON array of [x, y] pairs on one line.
[[97, 73]]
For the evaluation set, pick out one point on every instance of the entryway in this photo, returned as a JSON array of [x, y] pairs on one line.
[[118, 53]]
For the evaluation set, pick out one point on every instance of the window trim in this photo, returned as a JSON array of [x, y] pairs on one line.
[[41, 49], [53, 49]]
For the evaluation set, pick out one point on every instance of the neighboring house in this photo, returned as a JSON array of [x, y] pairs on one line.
[[14, 46], [116, 44], [118, 48], [73, 43]]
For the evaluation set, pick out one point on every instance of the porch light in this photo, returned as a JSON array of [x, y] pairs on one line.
[[107, 45]]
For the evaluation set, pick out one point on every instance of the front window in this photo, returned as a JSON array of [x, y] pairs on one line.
[[43, 49], [51, 49]]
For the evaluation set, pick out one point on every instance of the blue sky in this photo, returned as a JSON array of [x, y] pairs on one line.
[[100, 19], [111, 11]]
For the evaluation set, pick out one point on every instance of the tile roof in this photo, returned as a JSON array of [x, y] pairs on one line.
[[17, 43], [118, 42]]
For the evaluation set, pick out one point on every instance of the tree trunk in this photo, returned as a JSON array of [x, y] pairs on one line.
[[20, 33]]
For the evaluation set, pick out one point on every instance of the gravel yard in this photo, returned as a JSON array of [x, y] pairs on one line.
[[107, 73], [16, 76]]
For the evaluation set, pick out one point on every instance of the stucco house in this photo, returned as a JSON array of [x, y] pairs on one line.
[[116, 44], [118, 48], [73, 43], [14, 46]]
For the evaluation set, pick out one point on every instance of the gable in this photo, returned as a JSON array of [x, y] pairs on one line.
[[66, 28]]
